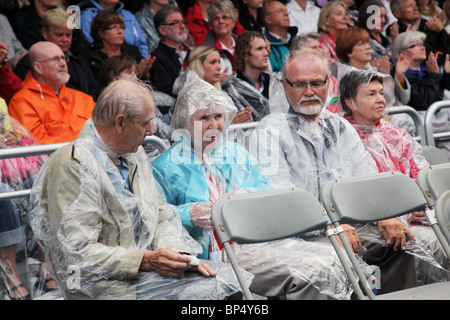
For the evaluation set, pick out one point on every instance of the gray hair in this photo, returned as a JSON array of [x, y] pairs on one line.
[[349, 84], [302, 39], [305, 52], [396, 5], [221, 6], [403, 40], [121, 97]]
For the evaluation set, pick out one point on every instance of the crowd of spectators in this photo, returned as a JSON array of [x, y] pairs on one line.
[[58, 56]]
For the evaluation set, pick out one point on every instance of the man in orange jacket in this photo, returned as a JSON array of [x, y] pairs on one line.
[[52, 112]]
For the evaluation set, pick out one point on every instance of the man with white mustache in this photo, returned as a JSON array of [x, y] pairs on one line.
[[312, 145], [308, 145], [51, 111]]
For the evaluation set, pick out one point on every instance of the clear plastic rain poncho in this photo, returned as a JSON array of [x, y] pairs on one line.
[[245, 95], [393, 149], [17, 173], [193, 180], [94, 231]]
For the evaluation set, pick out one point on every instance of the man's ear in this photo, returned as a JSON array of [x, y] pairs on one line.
[[37, 67], [44, 33], [162, 30], [119, 122], [396, 13]]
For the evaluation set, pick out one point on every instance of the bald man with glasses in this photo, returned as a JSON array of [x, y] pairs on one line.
[[51, 111]]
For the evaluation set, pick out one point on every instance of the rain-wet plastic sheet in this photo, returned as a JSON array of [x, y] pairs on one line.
[[94, 231]]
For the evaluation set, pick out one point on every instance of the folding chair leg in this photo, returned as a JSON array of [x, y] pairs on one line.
[[245, 288]]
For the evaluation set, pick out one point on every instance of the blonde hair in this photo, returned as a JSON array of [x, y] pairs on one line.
[[196, 59], [55, 17], [326, 11]]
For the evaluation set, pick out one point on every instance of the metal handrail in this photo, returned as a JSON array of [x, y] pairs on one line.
[[421, 137], [428, 122], [44, 149]]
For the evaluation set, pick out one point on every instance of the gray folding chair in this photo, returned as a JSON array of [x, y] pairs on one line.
[[363, 199], [266, 216], [442, 211], [434, 181], [434, 155]]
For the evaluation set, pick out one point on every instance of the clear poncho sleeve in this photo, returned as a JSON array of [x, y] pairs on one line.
[[92, 228]]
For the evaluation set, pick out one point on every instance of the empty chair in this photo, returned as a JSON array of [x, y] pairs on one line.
[[369, 198], [266, 216], [442, 211], [434, 155], [434, 181]]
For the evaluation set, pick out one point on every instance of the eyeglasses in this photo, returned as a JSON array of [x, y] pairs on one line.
[[415, 46], [176, 22], [116, 28], [300, 85], [224, 18], [56, 60]]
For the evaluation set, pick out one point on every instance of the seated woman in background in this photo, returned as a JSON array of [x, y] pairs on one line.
[[16, 174], [427, 82], [108, 30], [333, 20], [393, 149], [353, 50], [204, 60], [222, 17], [380, 44]]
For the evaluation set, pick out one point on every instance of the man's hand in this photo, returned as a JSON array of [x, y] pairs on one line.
[[395, 233], [172, 264]]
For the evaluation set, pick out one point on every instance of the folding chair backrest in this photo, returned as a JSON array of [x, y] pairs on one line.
[[433, 181], [371, 197], [442, 212], [267, 215], [264, 216], [434, 155]]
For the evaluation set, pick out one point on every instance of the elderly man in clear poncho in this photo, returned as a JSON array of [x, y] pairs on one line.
[[204, 165], [309, 145], [363, 103], [107, 231]]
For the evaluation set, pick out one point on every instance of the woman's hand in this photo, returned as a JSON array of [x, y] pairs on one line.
[[432, 65], [145, 65], [243, 116], [7, 139], [394, 232]]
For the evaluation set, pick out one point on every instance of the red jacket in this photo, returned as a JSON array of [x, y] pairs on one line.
[[10, 83], [391, 147], [49, 117], [199, 27]]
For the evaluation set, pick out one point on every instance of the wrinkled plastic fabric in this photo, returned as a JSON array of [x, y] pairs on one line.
[[94, 231], [18, 174], [202, 97], [193, 180], [15, 171], [432, 265], [294, 152], [393, 149], [301, 262], [245, 95]]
